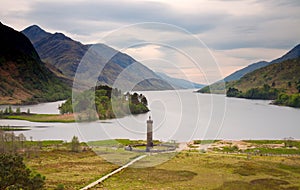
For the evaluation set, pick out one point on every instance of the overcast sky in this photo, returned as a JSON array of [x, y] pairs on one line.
[[236, 33]]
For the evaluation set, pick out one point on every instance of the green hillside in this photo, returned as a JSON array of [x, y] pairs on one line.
[[279, 82], [219, 87], [283, 76], [24, 78]]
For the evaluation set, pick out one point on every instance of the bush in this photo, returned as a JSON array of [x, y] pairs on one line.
[[288, 100], [60, 187], [75, 145], [15, 175]]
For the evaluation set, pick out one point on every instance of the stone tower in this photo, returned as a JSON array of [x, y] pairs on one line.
[[149, 134]]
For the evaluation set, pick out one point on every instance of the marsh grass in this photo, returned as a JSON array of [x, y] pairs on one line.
[[69, 169], [192, 170], [184, 170], [66, 118]]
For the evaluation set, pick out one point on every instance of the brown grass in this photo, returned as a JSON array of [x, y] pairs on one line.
[[192, 170], [73, 170]]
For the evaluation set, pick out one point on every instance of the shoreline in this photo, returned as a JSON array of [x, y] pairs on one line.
[[51, 118]]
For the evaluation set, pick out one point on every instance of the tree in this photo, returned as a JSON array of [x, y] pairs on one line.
[[10, 111], [15, 175], [289, 142], [232, 92], [18, 111], [298, 86], [144, 101], [22, 139], [75, 145], [6, 111], [135, 98]]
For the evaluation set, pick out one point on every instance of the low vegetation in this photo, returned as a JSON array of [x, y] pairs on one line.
[[15, 175], [193, 170], [49, 164], [73, 165], [42, 117]]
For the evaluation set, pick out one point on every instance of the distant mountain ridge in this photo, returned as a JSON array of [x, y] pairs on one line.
[[66, 54], [24, 78], [179, 83], [240, 73], [218, 87], [292, 54]]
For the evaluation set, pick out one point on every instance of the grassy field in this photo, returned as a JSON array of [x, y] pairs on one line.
[[43, 117], [69, 169], [192, 170], [188, 169]]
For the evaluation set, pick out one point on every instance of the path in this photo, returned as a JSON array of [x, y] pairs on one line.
[[112, 173]]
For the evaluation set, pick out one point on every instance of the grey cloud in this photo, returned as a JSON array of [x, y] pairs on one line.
[[220, 29], [59, 14]]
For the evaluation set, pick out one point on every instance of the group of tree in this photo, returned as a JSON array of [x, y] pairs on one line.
[[264, 93], [104, 102], [11, 143], [292, 100], [268, 93], [13, 172], [9, 111]]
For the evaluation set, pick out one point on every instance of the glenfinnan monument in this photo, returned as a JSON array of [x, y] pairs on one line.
[[149, 134]]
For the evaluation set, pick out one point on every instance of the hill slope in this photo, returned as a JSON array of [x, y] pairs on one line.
[[279, 82], [292, 54], [66, 54], [283, 76], [218, 87], [240, 73], [24, 77]]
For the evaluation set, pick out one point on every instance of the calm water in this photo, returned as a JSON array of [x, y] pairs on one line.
[[178, 115], [43, 108]]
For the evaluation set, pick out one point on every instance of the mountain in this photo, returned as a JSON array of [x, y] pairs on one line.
[[218, 87], [283, 76], [240, 73], [179, 83], [66, 54], [57, 49], [279, 82], [293, 53], [35, 33], [24, 78]]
